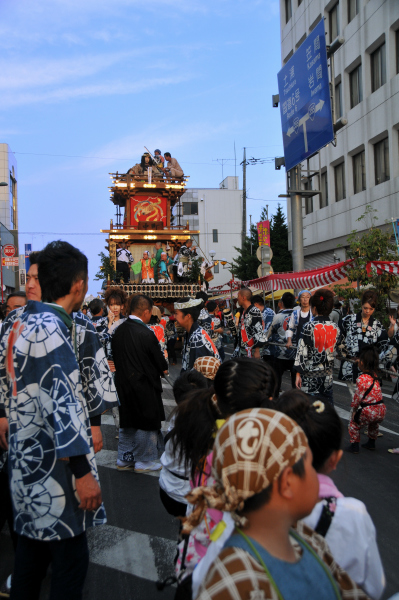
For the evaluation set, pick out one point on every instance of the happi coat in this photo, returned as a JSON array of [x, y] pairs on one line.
[[205, 321], [315, 355], [197, 343], [277, 334], [139, 365], [354, 339], [250, 332], [42, 395]]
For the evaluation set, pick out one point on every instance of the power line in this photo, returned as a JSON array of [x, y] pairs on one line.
[[104, 157]]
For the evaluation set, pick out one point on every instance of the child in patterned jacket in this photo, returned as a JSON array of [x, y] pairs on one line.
[[368, 408]]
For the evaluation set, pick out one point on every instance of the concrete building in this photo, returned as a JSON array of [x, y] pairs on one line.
[[217, 213], [9, 211], [363, 168]]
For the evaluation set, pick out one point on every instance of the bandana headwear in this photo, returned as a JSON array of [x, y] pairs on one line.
[[208, 366], [189, 304], [250, 452], [304, 292]]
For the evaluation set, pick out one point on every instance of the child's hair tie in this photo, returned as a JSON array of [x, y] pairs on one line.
[[321, 298], [319, 406]]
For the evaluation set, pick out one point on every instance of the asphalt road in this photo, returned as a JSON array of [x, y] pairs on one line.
[[137, 546]]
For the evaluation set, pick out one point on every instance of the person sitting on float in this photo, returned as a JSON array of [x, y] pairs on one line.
[[145, 266]]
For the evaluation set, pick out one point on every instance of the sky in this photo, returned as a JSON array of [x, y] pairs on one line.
[[86, 84]]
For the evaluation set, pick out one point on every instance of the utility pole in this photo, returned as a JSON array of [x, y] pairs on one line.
[[244, 198], [296, 219], [250, 230]]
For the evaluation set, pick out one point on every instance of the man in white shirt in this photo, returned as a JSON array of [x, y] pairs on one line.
[[123, 261]]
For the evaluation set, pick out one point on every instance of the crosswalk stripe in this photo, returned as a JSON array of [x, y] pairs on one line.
[[146, 556]]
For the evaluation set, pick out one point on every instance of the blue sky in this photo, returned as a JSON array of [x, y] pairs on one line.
[[85, 84]]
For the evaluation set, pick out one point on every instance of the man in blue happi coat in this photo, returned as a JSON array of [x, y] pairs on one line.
[[53, 473]]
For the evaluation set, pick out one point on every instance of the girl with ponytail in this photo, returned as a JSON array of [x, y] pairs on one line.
[[239, 384], [343, 522]]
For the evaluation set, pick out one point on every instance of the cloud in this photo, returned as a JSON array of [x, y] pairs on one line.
[[109, 88]]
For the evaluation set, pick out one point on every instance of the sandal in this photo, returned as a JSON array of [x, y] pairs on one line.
[[393, 450]]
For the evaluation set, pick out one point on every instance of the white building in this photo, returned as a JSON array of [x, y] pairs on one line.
[[217, 213], [8, 210], [363, 168]]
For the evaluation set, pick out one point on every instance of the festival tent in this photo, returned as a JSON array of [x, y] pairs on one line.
[[309, 279]]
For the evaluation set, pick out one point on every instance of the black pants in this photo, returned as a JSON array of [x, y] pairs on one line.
[[174, 508], [280, 366], [123, 267], [170, 344], [6, 514], [69, 559]]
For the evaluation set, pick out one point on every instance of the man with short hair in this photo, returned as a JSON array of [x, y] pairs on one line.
[[96, 308], [139, 365], [283, 357], [197, 342], [53, 473], [172, 169], [124, 259], [251, 336], [15, 300]]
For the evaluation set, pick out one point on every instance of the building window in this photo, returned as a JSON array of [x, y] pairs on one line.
[[308, 200], [355, 85], [381, 161], [338, 100], [288, 10], [378, 68], [353, 9], [397, 50], [216, 268], [359, 173], [339, 177], [324, 190], [334, 22], [215, 235], [190, 208]]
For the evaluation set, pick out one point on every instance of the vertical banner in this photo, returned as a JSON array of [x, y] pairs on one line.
[[28, 250], [263, 233]]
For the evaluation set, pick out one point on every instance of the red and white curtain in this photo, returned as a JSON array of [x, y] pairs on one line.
[[302, 279], [383, 266]]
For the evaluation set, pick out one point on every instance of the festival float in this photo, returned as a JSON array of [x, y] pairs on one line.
[[144, 203]]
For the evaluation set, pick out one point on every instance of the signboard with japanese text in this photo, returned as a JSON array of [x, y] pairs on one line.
[[28, 251], [10, 262], [263, 233], [305, 104], [9, 250]]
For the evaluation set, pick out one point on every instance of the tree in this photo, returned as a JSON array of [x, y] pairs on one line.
[[106, 269], [246, 264], [374, 244], [282, 258]]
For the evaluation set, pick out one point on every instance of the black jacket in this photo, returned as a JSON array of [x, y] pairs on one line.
[[139, 365]]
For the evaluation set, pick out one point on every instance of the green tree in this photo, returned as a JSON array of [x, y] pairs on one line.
[[282, 258], [246, 264], [106, 269], [374, 244]]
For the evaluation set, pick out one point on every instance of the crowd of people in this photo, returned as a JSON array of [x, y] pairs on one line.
[[245, 468], [158, 266], [152, 167]]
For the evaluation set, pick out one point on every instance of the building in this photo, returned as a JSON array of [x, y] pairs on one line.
[[217, 213], [8, 212], [363, 168]]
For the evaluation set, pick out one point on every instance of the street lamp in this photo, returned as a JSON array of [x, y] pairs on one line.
[[212, 254]]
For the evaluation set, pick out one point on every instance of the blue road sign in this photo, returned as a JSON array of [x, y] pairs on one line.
[[28, 250], [305, 104]]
